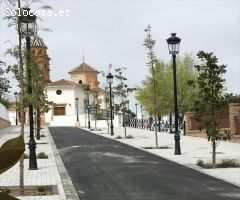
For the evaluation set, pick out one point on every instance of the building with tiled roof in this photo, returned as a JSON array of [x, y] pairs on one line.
[[85, 74], [39, 50]]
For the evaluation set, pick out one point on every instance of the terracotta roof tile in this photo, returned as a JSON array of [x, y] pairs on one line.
[[84, 67], [62, 82]]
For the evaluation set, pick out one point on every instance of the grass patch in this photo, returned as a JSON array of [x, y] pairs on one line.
[[222, 164]]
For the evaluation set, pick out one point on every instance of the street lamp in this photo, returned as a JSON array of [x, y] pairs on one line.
[[16, 96], [142, 114], [110, 81], [87, 92], [173, 46], [136, 115], [27, 20], [76, 104]]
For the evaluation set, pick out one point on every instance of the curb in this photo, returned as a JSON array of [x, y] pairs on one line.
[[69, 189]]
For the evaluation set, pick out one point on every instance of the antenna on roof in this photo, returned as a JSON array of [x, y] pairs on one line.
[[83, 56]]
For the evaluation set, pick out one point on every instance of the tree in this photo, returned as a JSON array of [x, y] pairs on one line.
[[209, 97], [121, 92], [164, 87], [18, 69], [4, 82], [149, 44]]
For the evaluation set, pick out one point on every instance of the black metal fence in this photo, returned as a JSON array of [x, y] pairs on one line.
[[149, 124]]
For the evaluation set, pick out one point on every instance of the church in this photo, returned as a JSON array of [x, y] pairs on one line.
[[69, 98]]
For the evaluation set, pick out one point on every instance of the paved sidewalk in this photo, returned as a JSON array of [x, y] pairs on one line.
[[47, 173], [192, 148]]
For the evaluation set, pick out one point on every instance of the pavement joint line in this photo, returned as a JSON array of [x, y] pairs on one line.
[[69, 189], [186, 165]]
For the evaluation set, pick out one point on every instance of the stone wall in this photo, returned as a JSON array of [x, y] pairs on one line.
[[4, 123], [4, 118], [234, 114], [228, 118]]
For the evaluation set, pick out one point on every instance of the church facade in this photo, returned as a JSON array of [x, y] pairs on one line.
[[68, 97]]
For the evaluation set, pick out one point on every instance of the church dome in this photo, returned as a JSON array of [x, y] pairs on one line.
[[37, 42]]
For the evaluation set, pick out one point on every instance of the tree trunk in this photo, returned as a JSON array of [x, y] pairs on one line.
[[124, 125], [214, 153]]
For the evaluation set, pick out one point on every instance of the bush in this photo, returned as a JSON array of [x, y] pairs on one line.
[[130, 137], [5, 102], [223, 164], [42, 155], [42, 135], [228, 163], [118, 137], [41, 190], [200, 163]]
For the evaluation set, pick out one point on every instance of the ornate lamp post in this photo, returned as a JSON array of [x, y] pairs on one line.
[[142, 114], [16, 96], [173, 46], [136, 115], [28, 29], [87, 92], [110, 81], [76, 104]]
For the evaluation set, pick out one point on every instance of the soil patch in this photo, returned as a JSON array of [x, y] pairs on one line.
[[32, 190]]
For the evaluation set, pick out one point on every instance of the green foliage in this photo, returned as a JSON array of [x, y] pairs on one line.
[[210, 86], [209, 96], [230, 98], [222, 164], [164, 87], [121, 91], [5, 102], [4, 82]]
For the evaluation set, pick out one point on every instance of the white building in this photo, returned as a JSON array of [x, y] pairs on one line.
[[63, 94]]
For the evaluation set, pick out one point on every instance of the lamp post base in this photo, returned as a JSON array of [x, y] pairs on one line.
[[32, 155], [77, 124], [177, 144]]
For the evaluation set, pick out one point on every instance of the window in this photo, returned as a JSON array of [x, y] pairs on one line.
[[59, 110]]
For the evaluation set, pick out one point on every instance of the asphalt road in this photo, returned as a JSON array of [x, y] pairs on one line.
[[103, 169]]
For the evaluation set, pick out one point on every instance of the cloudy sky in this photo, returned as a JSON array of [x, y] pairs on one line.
[[112, 31]]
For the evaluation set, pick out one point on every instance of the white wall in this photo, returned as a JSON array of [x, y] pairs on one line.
[[4, 112]]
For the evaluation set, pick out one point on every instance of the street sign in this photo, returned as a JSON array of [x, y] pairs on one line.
[[88, 106]]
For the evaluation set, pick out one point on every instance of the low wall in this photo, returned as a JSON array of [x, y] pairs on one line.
[[4, 118], [4, 123]]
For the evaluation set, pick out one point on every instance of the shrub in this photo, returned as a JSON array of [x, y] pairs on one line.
[[118, 137], [41, 190], [223, 164], [42, 155], [130, 137], [228, 163], [42, 135], [200, 163]]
